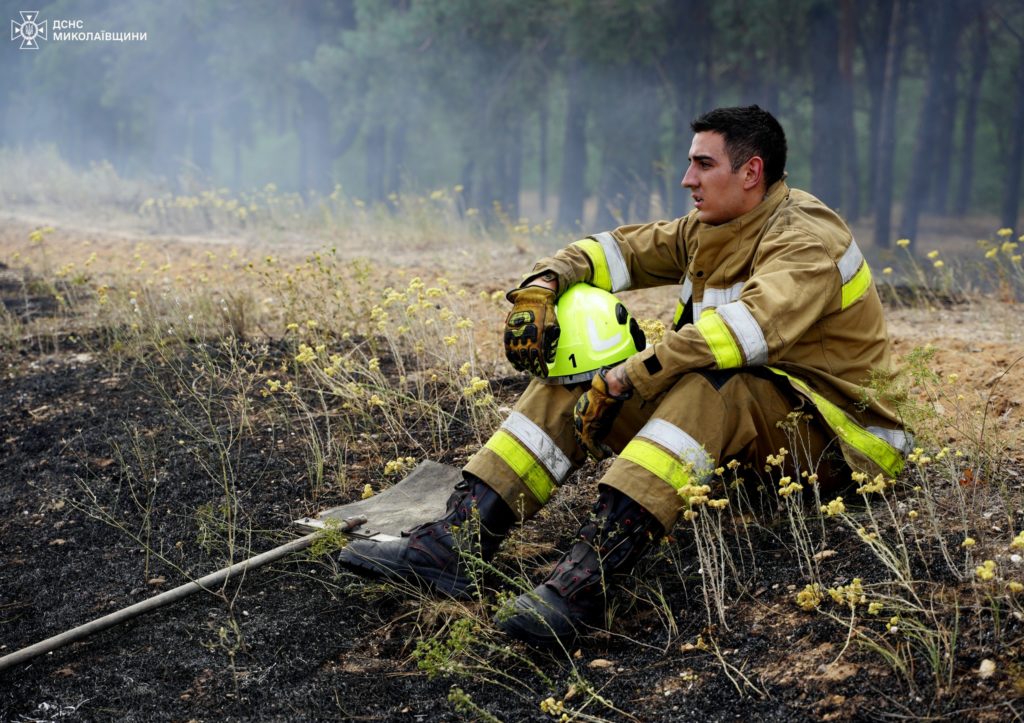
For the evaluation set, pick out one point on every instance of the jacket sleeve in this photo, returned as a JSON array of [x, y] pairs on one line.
[[793, 283], [630, 257]]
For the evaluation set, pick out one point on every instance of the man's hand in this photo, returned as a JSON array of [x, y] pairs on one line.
[[596, 411], [531, 329]]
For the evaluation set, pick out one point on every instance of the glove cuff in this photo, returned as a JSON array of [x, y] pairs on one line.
[[546, 275]]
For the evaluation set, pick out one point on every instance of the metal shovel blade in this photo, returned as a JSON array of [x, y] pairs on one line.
[[420, 497]]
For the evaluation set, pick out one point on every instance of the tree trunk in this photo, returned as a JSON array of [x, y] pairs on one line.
[[689, 19], [847, 129], [876, 42], [542, 154], [574, 153], [396, 156], [511, 160], [826, 156], [202, 143], [979, 63], [376, 161], [947, 112], [941, 51], [313, 127], [887, 126], [1015, 158]]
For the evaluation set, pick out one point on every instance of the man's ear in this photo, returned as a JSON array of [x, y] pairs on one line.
[[753, 173]]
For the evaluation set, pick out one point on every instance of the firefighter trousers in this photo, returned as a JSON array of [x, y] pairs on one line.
[[678, 439]]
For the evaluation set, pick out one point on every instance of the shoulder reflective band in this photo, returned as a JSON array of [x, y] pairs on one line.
[[718, 338], [874, 447], [670, 454], [531, 454], [610, 270], [746, 329], [855, 272]]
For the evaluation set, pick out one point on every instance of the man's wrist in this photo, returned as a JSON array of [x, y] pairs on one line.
[[619, 384], [548, 279]]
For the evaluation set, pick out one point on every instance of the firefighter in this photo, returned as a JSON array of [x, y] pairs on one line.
[[777, 312]]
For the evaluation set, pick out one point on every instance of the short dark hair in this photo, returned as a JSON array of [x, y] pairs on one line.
[[748, 131]]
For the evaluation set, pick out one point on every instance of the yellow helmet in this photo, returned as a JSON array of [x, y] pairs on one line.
[[596, 331]]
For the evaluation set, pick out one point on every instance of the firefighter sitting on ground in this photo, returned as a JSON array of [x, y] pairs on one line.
[[777, 312]]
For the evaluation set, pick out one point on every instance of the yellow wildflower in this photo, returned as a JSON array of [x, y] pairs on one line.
[[790, 489], [476, 385], [305, 355], [986, 570], [399, 465], [968, 542], [810, 597], [835, 507], [903, 242], [552, 706], [367, 492]]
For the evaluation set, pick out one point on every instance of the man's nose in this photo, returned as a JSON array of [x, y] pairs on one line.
[[689, 180]]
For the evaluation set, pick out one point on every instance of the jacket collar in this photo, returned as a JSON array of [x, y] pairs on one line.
[[713, 240]]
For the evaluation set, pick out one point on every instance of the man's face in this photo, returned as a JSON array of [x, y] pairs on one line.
[[718, 194]]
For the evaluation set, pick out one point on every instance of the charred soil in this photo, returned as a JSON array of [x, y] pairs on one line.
[[107, 497]]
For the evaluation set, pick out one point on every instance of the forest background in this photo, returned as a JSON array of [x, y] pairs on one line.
[[575, 111]]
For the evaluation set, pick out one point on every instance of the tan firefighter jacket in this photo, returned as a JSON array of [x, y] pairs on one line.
[[783, 287]]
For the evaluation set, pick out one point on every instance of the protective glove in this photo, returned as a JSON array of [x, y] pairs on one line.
[[594, 414], [531, 329]]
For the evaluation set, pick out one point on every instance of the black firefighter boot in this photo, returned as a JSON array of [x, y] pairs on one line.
[[573, 598], [431, 554]]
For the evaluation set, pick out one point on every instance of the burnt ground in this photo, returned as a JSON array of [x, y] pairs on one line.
[[85, 434]]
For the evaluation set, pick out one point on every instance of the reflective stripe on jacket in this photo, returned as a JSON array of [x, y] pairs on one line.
[[784, 286]]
